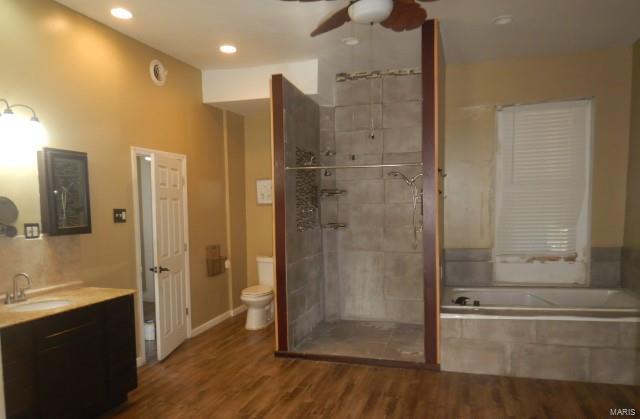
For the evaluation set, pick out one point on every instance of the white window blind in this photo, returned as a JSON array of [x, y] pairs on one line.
[[542, 183]]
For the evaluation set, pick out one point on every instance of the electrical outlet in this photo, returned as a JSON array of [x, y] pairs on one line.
[[32, 230]]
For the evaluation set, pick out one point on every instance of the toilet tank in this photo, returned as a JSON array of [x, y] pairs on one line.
[[265, 270]]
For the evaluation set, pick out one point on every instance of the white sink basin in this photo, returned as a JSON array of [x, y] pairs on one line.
[[40, 305]]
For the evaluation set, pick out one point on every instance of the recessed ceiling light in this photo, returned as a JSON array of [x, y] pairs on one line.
[[502, 20], [350, 41], [121, 13], [228, 49]]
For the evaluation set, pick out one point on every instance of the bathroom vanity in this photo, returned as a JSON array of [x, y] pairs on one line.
[[68, 354]]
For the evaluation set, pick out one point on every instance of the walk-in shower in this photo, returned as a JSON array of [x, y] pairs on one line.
[[354, 258]]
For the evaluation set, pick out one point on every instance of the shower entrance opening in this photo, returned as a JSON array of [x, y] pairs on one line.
[[357, 217]]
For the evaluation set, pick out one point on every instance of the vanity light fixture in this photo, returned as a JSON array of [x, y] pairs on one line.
[[228, 49], [121, 13], [27, 134]]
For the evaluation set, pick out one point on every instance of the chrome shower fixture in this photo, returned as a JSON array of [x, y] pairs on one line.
[[409, 181], [416, 197]]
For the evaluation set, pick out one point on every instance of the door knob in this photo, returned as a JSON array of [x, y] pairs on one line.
[[159, 269]]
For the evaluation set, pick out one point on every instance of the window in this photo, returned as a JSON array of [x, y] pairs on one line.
[[543, 193]]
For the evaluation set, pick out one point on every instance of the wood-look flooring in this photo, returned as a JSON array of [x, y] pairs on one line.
[[229, 372]]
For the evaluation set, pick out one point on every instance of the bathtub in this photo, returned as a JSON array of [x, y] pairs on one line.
[[582, 301], [574, 334]]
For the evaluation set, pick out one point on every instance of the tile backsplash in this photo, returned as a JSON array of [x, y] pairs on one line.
[[48, 260], [474, 267]]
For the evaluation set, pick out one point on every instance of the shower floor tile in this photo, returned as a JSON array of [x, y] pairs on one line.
[[364, 339]]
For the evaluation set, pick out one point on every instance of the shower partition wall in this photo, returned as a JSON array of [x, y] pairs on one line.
[[357, 245]]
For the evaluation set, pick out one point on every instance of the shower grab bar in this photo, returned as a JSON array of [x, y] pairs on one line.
[[354, 166]]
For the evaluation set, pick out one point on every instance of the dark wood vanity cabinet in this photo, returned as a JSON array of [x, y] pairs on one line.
[[76, 364]]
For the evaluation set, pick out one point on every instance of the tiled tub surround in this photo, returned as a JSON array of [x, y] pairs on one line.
[[564, 348], [305, 270], [379, 273], [543, 300], [474, 267]]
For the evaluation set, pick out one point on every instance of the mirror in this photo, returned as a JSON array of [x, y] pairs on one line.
[[19, 184], [8, 216], [20, 138]]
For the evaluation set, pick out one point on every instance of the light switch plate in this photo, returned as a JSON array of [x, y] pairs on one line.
[[119, 215]]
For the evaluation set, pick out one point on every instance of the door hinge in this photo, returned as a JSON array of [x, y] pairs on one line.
[[186, 247], [183, 181], [187, 310]]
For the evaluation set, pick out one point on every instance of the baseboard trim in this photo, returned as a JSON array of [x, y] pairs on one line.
[[140, 361], [238, 310], [211, 323]]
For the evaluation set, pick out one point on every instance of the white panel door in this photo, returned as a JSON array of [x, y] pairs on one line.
[[170, 261]]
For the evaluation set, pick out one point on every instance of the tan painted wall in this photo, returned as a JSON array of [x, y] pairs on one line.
[[257, 155], [235, 151], [91, 88], [473, 91], [631, 259]]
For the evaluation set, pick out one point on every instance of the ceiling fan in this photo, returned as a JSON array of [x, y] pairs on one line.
[[397, 15]]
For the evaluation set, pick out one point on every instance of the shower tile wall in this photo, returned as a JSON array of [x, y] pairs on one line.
[[378, 272], [305, 271]]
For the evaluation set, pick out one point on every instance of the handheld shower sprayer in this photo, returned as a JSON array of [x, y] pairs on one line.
[[416, 198]]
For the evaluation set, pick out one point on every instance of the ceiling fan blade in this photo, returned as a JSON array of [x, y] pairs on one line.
[[406, 15], [334, 21]]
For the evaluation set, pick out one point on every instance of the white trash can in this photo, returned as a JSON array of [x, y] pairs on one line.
[[149, 330]]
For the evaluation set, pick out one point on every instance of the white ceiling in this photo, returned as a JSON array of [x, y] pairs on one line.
[[274, 31]]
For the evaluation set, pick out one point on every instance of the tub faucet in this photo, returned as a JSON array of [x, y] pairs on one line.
[[18, 293], [461, 301]]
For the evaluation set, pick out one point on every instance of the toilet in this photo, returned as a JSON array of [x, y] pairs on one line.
[[259, 298]]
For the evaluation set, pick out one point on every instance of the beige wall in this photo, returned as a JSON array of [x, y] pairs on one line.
[[473, 91], [257, 155], [237, 230], [631, 260], [90, 86]]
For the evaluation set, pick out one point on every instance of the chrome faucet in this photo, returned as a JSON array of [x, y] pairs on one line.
[[18, 293]]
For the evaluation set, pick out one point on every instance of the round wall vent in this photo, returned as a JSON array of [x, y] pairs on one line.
[[158, 73]]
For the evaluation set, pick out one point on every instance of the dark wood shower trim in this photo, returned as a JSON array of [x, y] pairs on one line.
[[430, 234], [279, 186]]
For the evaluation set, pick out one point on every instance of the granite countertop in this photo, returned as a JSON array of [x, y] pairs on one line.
[[78, 297]]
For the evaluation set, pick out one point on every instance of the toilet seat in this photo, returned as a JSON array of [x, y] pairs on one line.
[[257, 291]]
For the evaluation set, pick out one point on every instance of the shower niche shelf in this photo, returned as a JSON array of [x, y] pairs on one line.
[[306, 193], [334, 226], [329, 193]]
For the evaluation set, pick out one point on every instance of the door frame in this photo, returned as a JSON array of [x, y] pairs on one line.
[[135, 153]]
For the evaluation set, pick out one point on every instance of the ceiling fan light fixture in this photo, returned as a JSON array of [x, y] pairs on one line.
[[370, 11]]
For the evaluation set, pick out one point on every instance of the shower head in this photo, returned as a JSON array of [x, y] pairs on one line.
[[400, 175]]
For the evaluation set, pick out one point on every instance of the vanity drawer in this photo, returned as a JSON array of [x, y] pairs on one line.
[[57, 329]]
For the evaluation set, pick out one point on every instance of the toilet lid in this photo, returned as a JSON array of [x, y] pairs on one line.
[[257, 290]]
